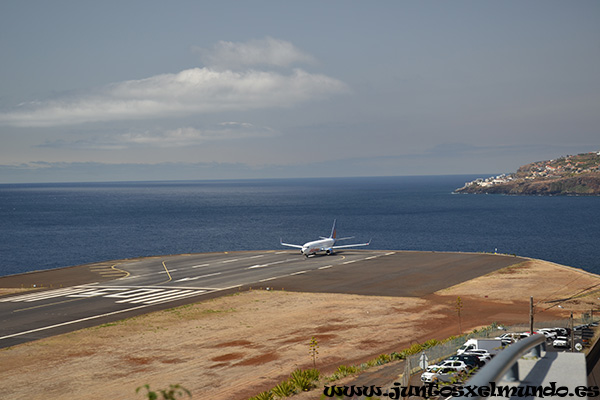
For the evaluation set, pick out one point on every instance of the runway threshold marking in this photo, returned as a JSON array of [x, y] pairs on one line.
[[41, 296], [150, 303]]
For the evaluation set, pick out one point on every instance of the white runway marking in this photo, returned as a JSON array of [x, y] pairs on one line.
[[200, 266], [197, 277], [325, 267], [269, 264], [147, 295], [44, 295], [171, 270], [275, 277]]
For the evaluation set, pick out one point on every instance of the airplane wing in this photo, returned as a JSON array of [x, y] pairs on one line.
[[351, 245], [289, 245], [346, 238]]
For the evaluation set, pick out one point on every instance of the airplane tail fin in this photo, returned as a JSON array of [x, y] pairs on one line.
[[333, 232]]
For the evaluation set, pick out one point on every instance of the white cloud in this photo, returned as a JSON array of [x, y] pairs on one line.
[[190, 136], [264, 52], [192, 91], [157, 138]]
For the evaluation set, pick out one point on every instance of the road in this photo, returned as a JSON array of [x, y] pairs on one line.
[[135, 287]]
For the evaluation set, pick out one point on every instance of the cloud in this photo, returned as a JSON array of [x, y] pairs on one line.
[[157, 138], [192, 91], [264, 52]]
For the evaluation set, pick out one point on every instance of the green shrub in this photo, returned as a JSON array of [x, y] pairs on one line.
[[302, 382], [268, 395], [431, 343], [172, 393], [284, 389], [383, 359], [313, 373], [345, 370]]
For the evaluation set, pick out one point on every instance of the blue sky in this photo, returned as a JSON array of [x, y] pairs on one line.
[[154, 90]]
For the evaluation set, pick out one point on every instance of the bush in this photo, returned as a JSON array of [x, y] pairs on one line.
[[345, 370], [431, 343], [284, 389], [268, 395], [172, 393], [304, 380]]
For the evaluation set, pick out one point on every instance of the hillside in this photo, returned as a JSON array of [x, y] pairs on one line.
[[569, 175]]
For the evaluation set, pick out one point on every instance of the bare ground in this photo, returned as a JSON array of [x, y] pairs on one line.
[[237, 346]]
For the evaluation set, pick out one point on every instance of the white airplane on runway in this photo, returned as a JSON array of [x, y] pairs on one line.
[[323, 244]]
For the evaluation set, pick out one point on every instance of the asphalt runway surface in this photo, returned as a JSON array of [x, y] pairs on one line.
[[72, 298]]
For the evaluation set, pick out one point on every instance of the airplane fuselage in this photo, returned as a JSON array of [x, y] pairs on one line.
[[318, 245]]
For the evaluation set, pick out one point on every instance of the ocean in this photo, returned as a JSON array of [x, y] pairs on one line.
[[45, 226]]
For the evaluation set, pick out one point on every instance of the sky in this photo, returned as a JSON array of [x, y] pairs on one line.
[[156, 90]]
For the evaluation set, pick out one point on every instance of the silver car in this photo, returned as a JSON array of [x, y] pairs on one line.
[[441, 374]]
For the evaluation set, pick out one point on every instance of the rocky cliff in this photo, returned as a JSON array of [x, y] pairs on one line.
[[569, 175]]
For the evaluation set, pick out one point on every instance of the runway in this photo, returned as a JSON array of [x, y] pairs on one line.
[[106, 292]]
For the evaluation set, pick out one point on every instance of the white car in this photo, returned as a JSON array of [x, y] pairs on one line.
[[459, 365], [561, 341], [441, 374], [508, 338], [550, 333], [483, 355]]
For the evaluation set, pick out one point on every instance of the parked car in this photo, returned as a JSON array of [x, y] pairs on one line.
[[561, 341], [550, 333], [562, 331], [508, 338], [483, 355], [441, 374], [459, 365], [472, 361]]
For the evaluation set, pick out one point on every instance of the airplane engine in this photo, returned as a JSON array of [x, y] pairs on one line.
[[329, 251]]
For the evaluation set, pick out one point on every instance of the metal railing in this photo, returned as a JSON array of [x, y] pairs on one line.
[[505, 362]]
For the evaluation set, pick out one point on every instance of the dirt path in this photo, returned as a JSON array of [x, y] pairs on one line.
[[236, 346]]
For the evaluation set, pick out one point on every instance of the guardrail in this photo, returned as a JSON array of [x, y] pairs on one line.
[[505, 362]]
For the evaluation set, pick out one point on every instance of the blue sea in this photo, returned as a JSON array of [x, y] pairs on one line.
[[45, 226]]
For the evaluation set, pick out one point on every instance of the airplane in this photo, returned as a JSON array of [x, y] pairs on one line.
[[325, 244]]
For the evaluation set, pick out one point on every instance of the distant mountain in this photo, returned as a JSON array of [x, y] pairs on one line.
[[569, 175]]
